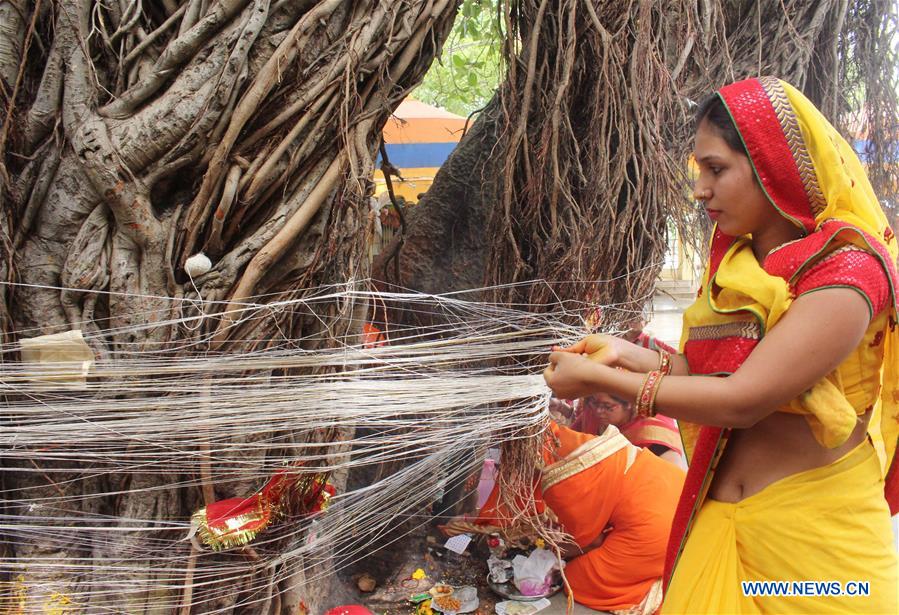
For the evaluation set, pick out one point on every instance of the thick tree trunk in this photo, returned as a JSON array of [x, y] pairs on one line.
[[444, 245], [513, 199], [140, 134]]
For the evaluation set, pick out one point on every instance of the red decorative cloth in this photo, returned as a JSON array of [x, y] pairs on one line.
[[848, 266], [719, 356], [236, 521], [751, 104]]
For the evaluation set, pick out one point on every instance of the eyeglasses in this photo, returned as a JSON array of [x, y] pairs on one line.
[[600, 406]]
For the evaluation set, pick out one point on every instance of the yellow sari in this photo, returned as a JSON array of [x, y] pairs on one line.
[[828, 524]]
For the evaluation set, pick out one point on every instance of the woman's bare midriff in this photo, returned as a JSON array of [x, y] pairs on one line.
[[776, 447]]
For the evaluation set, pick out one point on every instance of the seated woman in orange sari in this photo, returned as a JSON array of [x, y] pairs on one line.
[[617, 502], [658, 433]]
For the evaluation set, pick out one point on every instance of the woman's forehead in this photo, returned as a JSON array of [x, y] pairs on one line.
[[709, 144], [604, 399]]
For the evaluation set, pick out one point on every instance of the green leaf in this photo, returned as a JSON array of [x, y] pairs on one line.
[[468, 71]]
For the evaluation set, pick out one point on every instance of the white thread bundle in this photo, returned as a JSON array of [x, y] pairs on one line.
[[147, 420]]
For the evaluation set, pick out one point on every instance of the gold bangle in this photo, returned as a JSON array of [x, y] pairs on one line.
[[655, 392], [664, 362], [645, 404]]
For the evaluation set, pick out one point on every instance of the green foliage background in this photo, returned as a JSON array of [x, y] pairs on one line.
[[466, 74]]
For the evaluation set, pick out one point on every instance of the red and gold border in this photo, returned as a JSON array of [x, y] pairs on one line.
[[585, 456], [790, 127], [770, 132], [235, 522]]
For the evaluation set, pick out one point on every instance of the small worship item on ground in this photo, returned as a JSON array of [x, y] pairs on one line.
[[441, 589], [349, 609], [366, 583], [516, 607], [510, 592], [500, 569], [458, 544], [462, 600], [533, 575], [447, 603]]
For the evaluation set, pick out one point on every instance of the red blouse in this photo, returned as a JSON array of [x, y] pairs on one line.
[[848, 267]]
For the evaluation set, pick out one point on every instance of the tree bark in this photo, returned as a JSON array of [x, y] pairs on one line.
[[444, 246], [141, 134]]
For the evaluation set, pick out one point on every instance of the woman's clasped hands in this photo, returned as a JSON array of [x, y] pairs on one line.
[[577, 371]]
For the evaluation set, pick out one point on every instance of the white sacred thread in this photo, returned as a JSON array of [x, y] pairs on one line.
[[425, 405]]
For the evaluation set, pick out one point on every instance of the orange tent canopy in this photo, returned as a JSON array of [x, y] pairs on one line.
[[417, 122]]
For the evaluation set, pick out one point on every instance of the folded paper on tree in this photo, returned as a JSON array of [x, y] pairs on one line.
[[62, 360]]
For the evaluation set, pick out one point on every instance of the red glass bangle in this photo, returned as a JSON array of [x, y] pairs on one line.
[[664, 362]]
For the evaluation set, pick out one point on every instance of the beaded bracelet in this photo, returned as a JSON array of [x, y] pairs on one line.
[[646, 399], [664, 362]]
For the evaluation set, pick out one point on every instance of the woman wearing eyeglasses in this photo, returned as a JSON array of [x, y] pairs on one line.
[[657, 433]]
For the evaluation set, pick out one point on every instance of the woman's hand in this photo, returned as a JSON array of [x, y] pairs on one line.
[[615, 352], [571, 375], [604, 349], [560, 407]]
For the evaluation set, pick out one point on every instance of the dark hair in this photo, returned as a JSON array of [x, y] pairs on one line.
[[713, 110]]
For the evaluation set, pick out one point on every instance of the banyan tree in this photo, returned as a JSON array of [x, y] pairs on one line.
[[166, 164]]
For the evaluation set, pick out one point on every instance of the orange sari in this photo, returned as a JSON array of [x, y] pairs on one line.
[[592, 483]]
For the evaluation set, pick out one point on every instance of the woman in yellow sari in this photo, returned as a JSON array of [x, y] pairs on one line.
[[786, 386]]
